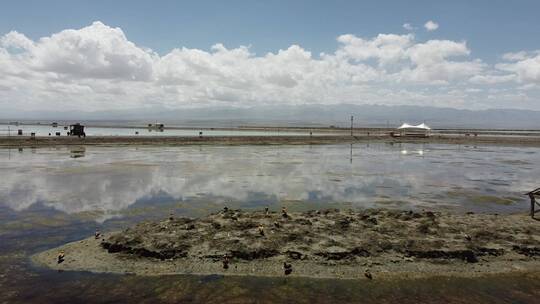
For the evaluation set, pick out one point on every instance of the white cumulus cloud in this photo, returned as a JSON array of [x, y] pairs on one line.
[[431, 26], [16, 40], [408, 26], [526, 67], [100, 68]]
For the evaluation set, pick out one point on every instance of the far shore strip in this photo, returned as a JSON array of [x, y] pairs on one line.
[[42, 141]]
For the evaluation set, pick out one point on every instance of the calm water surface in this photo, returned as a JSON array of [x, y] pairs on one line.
[[49, 196], [44, 130]]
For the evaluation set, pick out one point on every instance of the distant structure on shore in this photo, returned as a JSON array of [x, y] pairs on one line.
[[156, 126], [77, 130], [421, 130]]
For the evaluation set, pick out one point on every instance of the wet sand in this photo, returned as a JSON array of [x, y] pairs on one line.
[[24, 141], [345, 244]]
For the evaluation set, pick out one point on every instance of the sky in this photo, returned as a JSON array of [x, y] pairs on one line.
[[115, 55]]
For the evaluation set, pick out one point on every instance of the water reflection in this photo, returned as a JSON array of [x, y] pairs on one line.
[[57, 195], [112, 179], [77, 152]]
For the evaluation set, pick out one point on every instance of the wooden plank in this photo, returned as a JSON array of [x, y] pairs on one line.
[[535, 191]]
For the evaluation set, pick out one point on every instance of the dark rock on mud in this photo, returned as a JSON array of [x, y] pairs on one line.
[[528, 251]]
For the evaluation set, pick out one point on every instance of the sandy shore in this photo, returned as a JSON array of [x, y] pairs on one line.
[[24, 141], [326, 244]]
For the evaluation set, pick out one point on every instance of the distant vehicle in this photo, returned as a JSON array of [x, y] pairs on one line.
[[76, 130], [156, 126]]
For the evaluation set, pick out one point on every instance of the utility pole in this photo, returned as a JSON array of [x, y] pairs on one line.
[[352, 118]]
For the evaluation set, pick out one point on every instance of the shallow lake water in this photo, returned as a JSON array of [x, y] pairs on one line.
[[45, 130], [49, 196]]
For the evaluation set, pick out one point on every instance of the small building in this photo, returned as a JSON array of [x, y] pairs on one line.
[[77, 130], [421, 130]]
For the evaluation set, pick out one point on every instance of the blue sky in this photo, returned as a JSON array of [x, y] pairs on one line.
[[171, 54], [491, 28]]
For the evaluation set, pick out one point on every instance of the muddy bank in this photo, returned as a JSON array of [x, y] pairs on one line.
[[321, 244]]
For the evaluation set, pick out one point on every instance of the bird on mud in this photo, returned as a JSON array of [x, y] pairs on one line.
[[261, 230], [368, 274], [287, 268], [61, 256], [225, 262], [284, 212]]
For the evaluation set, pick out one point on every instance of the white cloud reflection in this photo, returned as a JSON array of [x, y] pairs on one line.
[[111, 180]]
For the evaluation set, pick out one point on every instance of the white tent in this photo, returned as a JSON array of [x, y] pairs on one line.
[[414, 130], [421, 126]]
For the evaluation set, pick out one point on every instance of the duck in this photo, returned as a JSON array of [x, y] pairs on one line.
[[284, 212], [97, 234], [368, 274], [225, 262], [61, 256], [287, 268]]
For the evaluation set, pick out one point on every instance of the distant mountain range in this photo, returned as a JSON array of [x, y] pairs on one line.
[[302, 115]]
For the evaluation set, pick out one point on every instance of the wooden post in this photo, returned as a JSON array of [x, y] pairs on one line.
[[533, 202], [531, 196]]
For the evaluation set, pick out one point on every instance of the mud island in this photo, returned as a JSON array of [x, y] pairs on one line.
[[368, 244]]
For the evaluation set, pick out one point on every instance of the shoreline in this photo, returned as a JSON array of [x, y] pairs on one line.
[[25, 141], [124, 265], [387, 244]]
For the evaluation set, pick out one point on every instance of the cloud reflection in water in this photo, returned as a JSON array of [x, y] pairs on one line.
[[112, 179]]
